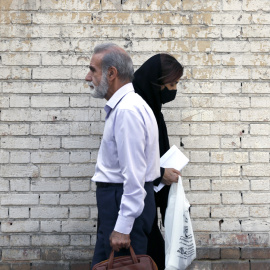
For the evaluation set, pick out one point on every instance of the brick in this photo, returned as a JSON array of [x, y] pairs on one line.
[[3, 213], [200, 184], [261, 18], [198, 5], [200, 212], [230, 253], [232, 5], [49, 266], [20, 185], [78, 226], [228, 129], [230, 239], [230, 170], [51, 254], [50, 157], [4, 241], [200, 265], [259, 239], [230, 211], [80, 240], [255, 253], [19, 157], [255, 198], [259, 211], [228, 157], [80, 185], [50, 142], [49, 171], [208, 253], [198, 198], [50, 185], [201, 170], [19, 240], [227, 18], [80, 266], [49, 212], [21, 143], [260, 265], [254, 6], [205, 226], [50, 129], [231, 198], [77, 170], [80, 142], [50, 240], [62, 5], [199, 156], [20, 254], [4, 157], [79, 212], [256, 157], [256, 170], [199, 142], [22, 212], [220, 74], [260, 185], [255, 225], [77, 254], [50, 226], [78, 198], [237, 265], [230, 185], [49, 199], [20, 226], [19, 199], [21, 266], [230, 225]]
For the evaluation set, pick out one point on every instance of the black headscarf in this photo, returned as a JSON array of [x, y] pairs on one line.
[[147, 84]]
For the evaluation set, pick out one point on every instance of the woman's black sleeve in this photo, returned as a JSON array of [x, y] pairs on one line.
[[158, 180]]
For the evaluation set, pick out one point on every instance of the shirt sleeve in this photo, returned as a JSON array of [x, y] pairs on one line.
[[130, 136]]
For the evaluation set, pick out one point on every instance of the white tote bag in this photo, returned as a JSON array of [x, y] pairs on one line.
[[180, 247]]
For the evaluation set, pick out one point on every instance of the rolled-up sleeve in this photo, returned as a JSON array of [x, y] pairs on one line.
[[130, 137]]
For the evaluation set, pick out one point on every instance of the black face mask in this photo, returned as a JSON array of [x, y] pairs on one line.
[[167, 95]]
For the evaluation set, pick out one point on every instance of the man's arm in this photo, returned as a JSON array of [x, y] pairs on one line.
[[130, 136]]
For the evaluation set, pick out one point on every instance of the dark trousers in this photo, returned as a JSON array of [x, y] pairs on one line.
[[108, 203], [156, 246]]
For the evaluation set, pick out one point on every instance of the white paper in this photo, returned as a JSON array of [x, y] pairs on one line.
[[173, 158]]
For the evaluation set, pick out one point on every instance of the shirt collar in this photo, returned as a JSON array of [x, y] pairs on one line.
[[117, 96]]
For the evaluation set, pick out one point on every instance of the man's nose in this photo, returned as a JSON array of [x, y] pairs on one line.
[[88, 77]]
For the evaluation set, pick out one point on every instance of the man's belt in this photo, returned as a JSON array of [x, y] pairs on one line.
[[104, 185]]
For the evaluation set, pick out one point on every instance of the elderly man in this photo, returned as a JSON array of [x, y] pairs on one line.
[[128, 158]]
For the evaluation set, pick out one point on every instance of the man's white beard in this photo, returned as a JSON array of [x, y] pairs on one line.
[[101, 90]]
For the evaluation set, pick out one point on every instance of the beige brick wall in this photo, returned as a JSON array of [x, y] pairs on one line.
[[51, 128]]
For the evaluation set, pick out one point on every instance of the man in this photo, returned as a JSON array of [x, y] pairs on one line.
[[128, 158]]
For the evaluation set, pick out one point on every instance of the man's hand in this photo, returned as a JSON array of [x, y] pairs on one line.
[[170, 176], [119, 240]]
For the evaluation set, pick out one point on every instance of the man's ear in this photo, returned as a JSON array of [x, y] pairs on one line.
[[112, 73]]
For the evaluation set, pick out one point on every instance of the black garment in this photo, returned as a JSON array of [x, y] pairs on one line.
[[147, 84]]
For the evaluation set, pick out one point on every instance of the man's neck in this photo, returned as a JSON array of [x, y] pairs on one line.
[[115, 87]]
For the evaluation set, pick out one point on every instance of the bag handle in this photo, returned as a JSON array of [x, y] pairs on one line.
[[111, 258]]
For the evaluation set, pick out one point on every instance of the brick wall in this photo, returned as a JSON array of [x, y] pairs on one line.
[[51, 129]]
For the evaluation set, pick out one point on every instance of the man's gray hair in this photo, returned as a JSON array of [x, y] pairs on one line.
[[118, 58]]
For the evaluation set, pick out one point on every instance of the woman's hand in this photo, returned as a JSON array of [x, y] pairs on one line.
[[170, 176]]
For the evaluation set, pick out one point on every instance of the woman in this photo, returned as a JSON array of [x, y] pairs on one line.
[[156, 82]]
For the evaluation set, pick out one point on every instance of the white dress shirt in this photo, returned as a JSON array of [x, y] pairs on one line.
[[129, 152]]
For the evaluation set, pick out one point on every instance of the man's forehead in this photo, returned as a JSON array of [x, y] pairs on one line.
[[96, 60]]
